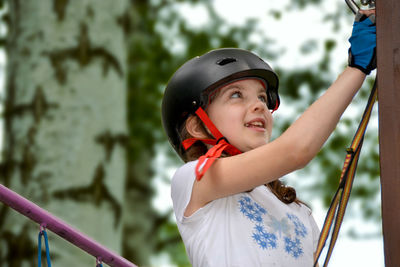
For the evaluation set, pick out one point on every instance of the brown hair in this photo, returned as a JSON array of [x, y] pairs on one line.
[[197, 149], [284, 193]]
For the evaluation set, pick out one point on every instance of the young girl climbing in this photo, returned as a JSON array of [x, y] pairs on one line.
[[230, 206]]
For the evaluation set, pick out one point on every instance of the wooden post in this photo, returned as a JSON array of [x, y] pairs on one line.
[[388, 46]]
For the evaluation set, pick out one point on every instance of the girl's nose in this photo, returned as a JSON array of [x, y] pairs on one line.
[[258, 106]]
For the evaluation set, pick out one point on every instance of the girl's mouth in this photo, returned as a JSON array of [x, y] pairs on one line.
[[257, 124]]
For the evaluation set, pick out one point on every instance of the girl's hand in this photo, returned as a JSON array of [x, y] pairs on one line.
[[362, 53]]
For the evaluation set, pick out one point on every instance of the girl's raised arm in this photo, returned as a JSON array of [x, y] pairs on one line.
[[292, 150], [299, 144]]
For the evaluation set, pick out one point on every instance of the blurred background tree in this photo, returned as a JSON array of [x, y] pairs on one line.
[[160, 37], [64, 124]]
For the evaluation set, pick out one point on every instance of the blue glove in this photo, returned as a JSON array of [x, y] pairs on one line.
[[362, 52]]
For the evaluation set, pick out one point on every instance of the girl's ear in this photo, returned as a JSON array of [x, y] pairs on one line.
[[195, 128]]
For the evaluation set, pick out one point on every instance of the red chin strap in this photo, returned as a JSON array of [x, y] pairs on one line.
[[220, 144]]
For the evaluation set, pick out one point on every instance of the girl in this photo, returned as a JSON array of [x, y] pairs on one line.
[[231, 208]]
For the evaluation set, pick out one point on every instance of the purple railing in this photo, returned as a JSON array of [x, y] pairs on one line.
[[59, 227]]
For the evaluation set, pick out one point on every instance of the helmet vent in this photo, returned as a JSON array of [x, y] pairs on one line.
[[225, 61]]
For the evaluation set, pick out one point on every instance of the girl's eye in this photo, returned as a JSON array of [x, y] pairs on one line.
[[263, 98], [236, 94]]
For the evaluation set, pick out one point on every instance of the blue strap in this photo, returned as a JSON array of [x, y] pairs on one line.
[[46, 242]]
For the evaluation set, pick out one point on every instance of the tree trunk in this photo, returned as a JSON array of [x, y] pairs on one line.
[[388, 55], [65, 124]]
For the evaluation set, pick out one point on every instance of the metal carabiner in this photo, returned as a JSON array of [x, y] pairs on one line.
[[353, 6], [365, 5]]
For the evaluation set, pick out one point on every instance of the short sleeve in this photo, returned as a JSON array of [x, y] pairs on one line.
[[181, 188]]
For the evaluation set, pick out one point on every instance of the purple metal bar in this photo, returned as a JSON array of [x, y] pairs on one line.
[[59, 227]]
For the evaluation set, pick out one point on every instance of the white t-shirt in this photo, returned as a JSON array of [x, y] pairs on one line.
[[246, 229]]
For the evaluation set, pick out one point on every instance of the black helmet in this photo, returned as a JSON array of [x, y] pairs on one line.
[[185, 91]]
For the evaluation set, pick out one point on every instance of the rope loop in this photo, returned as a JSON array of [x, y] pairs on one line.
[[42, 232]]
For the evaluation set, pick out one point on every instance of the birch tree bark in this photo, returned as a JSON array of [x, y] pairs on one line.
[[65, 124]]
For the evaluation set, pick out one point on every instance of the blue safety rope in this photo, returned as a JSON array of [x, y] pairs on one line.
[[42, 232]]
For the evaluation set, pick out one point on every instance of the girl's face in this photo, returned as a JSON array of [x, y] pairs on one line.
[[240, 113]]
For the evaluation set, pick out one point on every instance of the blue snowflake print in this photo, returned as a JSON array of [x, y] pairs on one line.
[[247, 199], [260, 209], [268, 231], [293, 247], [299, 227], [251, 210], [258, 219], [264, 239], [254, 212]]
